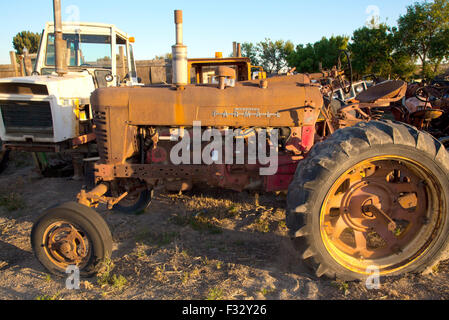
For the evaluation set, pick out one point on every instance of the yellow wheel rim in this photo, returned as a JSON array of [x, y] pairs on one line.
[[382, 212]]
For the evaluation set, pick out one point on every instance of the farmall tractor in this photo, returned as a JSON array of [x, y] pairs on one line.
[[362, 192], [50, 112]]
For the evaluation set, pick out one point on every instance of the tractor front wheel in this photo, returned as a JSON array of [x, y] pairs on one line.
[[71, 235], [373, 197]]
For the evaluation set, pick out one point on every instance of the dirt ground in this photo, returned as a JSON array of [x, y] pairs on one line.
[[205, 244]]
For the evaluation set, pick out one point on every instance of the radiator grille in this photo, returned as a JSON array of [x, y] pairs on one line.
[[27, 117], [101, 132]]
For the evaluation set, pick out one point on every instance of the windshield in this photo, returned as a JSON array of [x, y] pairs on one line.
[[84, 50]]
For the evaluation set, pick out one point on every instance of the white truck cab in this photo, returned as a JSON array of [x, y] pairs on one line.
[[49, 113]]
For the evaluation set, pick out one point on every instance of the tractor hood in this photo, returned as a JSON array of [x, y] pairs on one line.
[[73, 85], [286, 101]]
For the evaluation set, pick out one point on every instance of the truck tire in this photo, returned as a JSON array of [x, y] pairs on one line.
[[372, 198], [71, 234]]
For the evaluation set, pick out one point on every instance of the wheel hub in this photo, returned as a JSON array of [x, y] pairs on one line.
[[66, 245]]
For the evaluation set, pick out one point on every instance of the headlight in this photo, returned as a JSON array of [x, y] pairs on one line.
[[109, 77]]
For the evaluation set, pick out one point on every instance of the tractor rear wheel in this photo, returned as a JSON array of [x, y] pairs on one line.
[[71, 234], [372, 197]]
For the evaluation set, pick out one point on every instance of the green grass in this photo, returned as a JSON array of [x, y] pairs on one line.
[[198, 223], [48, 297], [12, 201], [107, 278], [160, 240], [267, 291], [215, 294]]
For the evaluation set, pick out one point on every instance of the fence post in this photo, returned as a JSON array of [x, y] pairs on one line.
[[12, 56], [27, 63]]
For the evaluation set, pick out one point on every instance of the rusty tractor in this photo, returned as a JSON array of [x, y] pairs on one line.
[[362, 191]]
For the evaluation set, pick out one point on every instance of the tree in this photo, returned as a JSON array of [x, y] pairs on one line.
[[26, 39], [373, 52], [422, 34], [167, 56], [250, 51], [273, 54], [308, 58]]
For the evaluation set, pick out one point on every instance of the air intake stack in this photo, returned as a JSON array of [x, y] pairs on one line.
[[60, 44], [179, 50]]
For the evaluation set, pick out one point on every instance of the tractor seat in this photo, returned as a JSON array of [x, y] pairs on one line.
[[385, 92]]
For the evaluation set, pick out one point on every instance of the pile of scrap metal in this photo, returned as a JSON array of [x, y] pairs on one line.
[[425, 107]]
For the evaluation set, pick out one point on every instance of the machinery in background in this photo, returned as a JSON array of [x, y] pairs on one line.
[[49, 113]]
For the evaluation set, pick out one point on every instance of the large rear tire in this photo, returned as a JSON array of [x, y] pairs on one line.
[[375, 195], [71, 234]]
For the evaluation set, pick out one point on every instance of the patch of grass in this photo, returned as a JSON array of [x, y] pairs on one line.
[[118, 282], [436, 268], [282, 225], [203, 224], [107, 278], [159, 274], [47, 278], [341, 286], [185, 254], [12, 201], [197, 222], [186, 276], [262, 225], [140, 253], [48, 297], [267, 291], [159, 240], [233, 210], [215, 294]]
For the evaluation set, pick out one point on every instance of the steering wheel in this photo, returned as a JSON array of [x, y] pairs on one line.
[[424, 94], [347, 70]]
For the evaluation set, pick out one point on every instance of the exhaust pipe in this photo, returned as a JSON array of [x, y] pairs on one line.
[[60, 44], [179, 53]]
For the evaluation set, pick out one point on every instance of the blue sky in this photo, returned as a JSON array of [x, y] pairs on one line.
[[209, 26]]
